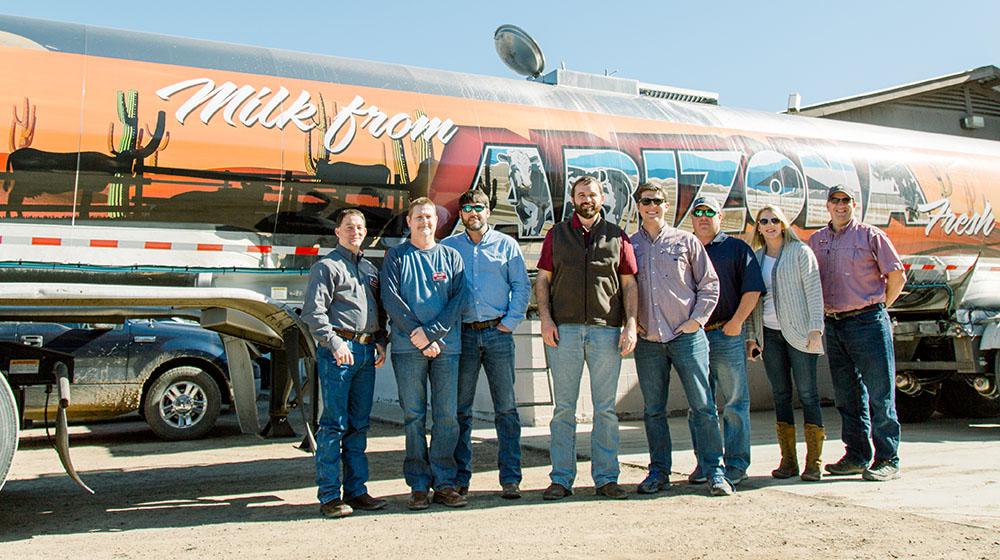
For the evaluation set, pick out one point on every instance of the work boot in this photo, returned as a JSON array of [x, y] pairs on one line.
[[814, 451], [789, 466]]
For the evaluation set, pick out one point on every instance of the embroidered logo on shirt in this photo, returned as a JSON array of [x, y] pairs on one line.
[[439, 276], [373, 282]]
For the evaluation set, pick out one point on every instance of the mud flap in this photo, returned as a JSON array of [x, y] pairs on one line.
[[62, 429], [242, 382]]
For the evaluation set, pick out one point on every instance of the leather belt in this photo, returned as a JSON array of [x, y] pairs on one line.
[[715, 326], [854, 312], [482, 325], [360, 338]]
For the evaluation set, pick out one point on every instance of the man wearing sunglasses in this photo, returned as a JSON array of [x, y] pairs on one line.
[[862, 275], [740, 286], [497, 294], [587, 300], [678, 290]]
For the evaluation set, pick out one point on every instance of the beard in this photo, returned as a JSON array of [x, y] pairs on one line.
[[474, 224], [587, 211]]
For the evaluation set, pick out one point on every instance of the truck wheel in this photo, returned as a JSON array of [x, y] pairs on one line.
[[913, 409], [961, 400], [9, 428], [183, 403]]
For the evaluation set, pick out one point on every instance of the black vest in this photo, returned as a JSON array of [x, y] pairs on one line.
[[585, 284]]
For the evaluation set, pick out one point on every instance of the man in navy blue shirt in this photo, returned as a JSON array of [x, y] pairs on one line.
[[423, 285], [497, 293], [740, 286]]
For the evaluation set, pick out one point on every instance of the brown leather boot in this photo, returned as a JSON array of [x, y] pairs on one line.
[[814, 449], [789, 466]]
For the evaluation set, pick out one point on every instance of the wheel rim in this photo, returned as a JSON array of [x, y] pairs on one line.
[[183, 404]]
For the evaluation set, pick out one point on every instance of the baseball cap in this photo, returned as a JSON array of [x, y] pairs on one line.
[[708, 202], [839, 189]]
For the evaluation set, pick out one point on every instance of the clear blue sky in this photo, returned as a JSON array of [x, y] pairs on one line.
[[752, 54]]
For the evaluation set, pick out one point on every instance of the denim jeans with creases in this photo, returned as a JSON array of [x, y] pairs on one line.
[[493, 351], [727, 364], [423, 469], [688, 354], [863, 370], [783, 362], [598, 347], [342, 436]]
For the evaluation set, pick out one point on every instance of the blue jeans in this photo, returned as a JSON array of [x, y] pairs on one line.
[[492, 350], [436, 468], [727, 364], [343, 428], [598, 347], [782, 362], [863, 369], [688, 353]]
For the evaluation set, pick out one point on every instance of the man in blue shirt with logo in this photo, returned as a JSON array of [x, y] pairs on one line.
[[497, 294], [423, 285]]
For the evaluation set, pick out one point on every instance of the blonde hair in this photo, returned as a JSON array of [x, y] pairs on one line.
[[786, 228]]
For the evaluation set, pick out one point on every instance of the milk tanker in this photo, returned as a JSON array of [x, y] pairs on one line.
[[132, 158]]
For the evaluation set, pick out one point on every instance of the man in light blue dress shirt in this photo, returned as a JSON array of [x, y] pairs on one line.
[[497, 293]]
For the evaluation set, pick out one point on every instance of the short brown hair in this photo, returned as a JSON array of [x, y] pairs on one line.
[[650, 187], [420, 201], [350, 212], [586, 180], [474, 196]]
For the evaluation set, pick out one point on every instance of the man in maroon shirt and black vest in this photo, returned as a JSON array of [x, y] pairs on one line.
[[587, 300]]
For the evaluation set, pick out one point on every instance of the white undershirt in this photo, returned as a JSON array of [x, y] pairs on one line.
[[770, 312]]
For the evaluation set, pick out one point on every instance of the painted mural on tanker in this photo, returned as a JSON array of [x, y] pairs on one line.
[[281, 156]]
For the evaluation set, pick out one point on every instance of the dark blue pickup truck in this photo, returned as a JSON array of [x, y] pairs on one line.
[[172, 372]]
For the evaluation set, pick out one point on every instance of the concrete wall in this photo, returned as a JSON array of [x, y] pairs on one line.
[[533, 385]]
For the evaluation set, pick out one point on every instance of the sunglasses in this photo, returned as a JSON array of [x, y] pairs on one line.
[[765, 221], [838, 200], [647, 201], [473, 208], [704, 213]]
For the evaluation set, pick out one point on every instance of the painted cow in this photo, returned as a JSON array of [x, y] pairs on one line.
[[529, 191]]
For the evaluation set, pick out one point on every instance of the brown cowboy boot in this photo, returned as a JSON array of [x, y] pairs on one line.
[[789, 466], [814, 449]]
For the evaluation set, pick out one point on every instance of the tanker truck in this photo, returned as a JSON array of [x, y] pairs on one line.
[[134, 163]]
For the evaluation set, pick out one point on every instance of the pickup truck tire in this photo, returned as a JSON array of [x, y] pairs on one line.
[[9, 428], [183, 403]]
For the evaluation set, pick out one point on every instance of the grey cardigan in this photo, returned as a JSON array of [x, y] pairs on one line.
[[798, 296]]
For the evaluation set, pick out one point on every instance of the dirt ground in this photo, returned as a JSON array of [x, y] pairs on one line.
[[236, 496]]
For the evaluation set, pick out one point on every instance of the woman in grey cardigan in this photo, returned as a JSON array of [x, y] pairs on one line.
[[788, 325]]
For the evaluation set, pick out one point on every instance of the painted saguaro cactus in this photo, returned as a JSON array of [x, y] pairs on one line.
[[322, 122], [129, 145], [160, 147], [22, 127]]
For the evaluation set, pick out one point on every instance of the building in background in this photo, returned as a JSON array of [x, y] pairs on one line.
[[962, 104]]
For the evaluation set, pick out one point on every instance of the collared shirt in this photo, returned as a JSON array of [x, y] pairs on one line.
[[496, 279], [343, 293], [676, 282], [739, 273], [853, 265], [626, 261], [424, 288]]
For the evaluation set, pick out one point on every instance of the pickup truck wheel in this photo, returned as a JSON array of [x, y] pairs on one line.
[[183, 403], [9, 428], [961, 400], [913, 409]]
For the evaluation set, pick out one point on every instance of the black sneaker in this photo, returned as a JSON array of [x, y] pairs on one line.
[[881, 471], [653, 484], [844, 467], [696, 477]]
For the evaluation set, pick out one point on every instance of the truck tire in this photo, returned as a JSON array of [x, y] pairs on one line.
[[914, 409], [9, 429], [183, 403], [961, 400]]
